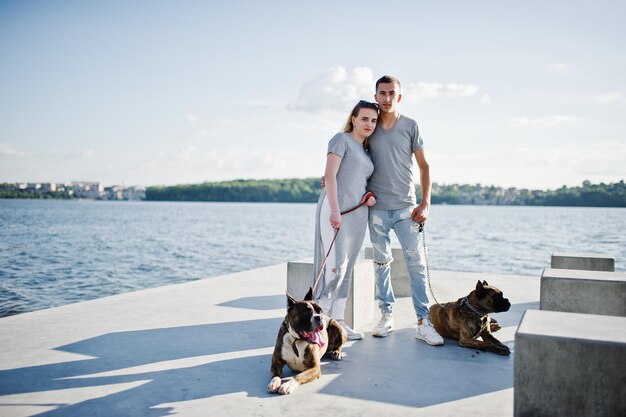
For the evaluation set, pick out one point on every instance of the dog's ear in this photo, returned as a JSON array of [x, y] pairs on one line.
[[290, 300], [485, 283], [309, 295], [480, 290]]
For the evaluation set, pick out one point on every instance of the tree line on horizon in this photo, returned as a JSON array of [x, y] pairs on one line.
[[11, 191], [295, 190], [291, 190], [307, 190]]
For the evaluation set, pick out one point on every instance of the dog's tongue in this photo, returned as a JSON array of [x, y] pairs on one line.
[[315, 337]]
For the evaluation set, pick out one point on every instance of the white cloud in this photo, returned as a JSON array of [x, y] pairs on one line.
[[193, 165], [184, 159], [335, 89], [601, 161], [486, 99], [260, 104], [323, 123], [421, 91], [280, 164], [607, 98], [200, 134], [557, 67], [542, 122], [197, 128], [533, 167], [275, 160], [6, 149], [187, 153], [86, 154]]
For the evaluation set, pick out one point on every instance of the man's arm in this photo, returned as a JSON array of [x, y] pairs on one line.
[[420, 213]]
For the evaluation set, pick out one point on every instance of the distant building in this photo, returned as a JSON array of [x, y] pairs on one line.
[[115, 192], [93, 190], [119, 192], [135, 193], [49, 187], [80, 189]]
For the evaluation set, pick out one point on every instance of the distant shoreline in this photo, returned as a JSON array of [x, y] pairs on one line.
[[307, 190]]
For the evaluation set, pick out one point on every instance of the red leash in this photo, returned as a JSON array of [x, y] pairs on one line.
[[363, 202]]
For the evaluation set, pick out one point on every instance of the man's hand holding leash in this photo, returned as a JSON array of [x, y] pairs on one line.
[[420, 213]]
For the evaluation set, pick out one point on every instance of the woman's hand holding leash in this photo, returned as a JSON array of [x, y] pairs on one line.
[[369, 199], [333, 215], [335, 219]]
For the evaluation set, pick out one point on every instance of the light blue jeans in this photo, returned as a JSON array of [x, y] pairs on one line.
[[381, 222]]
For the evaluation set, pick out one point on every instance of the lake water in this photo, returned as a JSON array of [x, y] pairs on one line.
[[59, 252]]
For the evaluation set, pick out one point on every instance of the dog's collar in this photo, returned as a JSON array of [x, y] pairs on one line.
[[296, 337], [291, 330], [469, 305]]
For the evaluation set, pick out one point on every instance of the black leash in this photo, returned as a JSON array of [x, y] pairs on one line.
[[464, 301], [363, 202], [430, 288]]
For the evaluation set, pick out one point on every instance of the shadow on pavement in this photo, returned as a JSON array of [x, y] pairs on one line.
[[397, 369]]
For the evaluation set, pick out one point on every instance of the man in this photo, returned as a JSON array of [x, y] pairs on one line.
[[393, 145]]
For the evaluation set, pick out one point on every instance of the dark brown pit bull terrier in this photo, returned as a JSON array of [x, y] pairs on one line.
[[467, 319], [304, 337]]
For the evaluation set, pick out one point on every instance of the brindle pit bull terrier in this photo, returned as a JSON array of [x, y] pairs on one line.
[[467, 319], [304, 337]]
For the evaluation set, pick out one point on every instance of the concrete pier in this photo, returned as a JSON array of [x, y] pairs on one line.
[[203, 348]]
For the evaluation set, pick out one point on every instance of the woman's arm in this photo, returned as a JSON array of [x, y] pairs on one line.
[[332, 167]]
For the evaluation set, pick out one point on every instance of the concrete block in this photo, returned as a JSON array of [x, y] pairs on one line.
[[299, 277], [361, 307], [569, 364], [589, 292], [399, 272], [585, 261]]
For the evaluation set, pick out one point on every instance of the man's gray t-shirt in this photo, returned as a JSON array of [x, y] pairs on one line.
[[392, 153]]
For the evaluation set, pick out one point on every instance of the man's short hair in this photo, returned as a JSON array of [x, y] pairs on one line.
[[386, 79]]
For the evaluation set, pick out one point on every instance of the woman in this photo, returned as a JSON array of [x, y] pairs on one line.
[[348, 166]]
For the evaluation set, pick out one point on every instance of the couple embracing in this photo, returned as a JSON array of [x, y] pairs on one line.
[[374, 153]]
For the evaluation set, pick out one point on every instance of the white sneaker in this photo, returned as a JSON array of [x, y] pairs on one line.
[[385, 326], [352, 335], [427, 332]]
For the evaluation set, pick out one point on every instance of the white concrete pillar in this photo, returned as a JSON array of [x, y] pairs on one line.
[[589, 292], [361, 307], [569, 364], [586, 261]]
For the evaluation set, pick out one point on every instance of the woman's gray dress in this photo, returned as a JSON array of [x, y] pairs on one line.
[[355, 169]]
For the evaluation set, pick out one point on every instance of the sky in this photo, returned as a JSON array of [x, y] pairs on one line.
[[514, 94]]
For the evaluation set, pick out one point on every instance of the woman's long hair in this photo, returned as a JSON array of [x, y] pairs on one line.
[[362, 104]]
